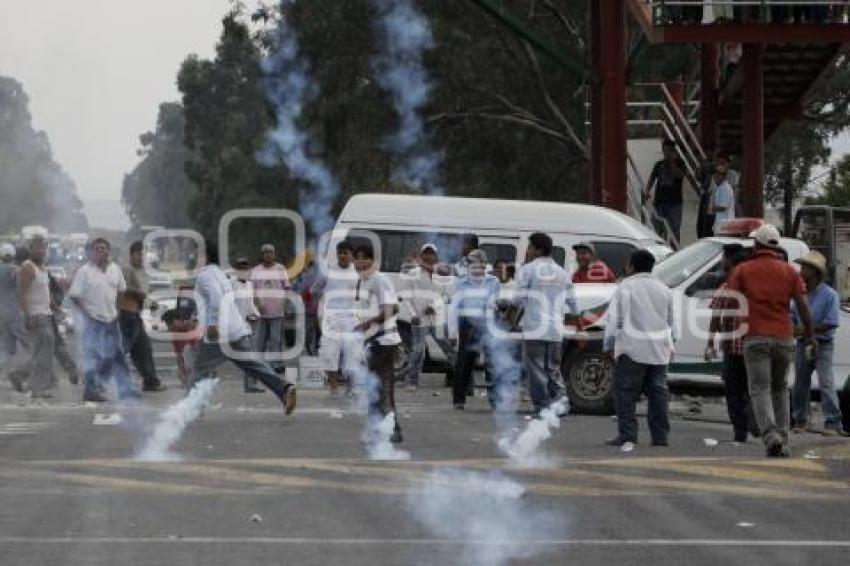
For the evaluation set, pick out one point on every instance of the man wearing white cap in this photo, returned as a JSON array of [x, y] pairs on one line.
[[825, 305], [769, 284], [418, 293]]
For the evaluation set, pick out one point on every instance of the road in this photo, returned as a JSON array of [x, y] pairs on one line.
[[256, 487]]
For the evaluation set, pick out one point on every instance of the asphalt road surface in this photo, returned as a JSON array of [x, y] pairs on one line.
[[256, 487]]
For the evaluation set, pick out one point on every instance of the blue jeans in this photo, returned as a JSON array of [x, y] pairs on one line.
[[541, 361], [209, 356], [673, 214], [632, 378], [104, 358], [268, 338], [768, 359], [803, 383], [417, 353]]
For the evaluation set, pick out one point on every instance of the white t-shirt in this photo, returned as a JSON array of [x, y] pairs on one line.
[[97, 290], [723, 196], [372, 292], [337, 293]]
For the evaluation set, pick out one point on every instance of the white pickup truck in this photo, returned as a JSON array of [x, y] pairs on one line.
[[689, 273]]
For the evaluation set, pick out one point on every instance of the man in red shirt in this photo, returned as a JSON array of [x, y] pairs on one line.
[[590, 268], [768, 284]]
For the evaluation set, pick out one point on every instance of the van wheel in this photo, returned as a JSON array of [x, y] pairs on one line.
[[588, 376]]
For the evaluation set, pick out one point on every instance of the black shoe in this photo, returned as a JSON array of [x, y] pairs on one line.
[[660, 442], [290, 399], [397, 437], [774, 448], [94, 398], [159, 387]]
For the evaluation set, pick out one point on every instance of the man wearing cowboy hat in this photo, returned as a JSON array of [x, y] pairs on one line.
[[825, 305]]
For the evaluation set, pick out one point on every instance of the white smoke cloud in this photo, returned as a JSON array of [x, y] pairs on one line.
[[487, 513], [289, 87], [525, 448], [400, 70], [171, 424]]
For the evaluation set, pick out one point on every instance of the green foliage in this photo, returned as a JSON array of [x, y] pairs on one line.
[[33, 187], [836, 190], [158, 192]]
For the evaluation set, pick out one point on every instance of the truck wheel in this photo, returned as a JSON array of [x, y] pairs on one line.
[[588, 376]]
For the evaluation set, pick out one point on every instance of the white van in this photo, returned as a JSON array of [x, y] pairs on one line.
[[403, 223]]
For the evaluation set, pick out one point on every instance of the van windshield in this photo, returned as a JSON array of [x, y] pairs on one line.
[[678, 268]]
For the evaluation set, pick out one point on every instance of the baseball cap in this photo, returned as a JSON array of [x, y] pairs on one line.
[[7, 250], [429, 246], [767, 235], [585, 246]]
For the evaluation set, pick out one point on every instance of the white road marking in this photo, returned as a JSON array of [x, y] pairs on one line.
[[175, 539]]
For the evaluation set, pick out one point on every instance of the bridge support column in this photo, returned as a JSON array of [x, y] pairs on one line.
[[608, 104], [752, 179], [709, 83]]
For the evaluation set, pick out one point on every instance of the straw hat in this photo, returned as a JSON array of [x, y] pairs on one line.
[[815, 260]]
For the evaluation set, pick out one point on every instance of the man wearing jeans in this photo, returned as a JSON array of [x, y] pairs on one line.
[[95, 293], [545, 292], [641, 330], [419, 293], [228, 336], [825, 305], [270, 281], [769, 283]]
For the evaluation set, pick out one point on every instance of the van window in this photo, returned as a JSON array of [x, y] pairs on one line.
[[559, 254], [398, 247], [500, 252], [615, 255]]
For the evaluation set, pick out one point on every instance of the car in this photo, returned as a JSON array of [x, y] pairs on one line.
[[689, 273]]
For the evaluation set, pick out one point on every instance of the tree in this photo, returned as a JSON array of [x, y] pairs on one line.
[[836, 190], [227, 119], [34, 189], [158, 192]]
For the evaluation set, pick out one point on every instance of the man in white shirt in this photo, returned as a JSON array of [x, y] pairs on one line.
[[95, 292], [270, 281], [545, 293], [244, 290], [225, 325], [378, 309], [641, 330], [335, 291], [419, 293], [722, 204]]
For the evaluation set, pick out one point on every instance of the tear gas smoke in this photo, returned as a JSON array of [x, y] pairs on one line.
[[524, 449], [487, 513], [173, 422], [400, 71], [289, 87]]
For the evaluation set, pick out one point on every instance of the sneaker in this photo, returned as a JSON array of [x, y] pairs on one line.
[[616, 441], [290, 399]]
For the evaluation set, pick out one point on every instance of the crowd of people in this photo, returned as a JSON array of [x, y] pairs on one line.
[[512, 320], [747, 11]]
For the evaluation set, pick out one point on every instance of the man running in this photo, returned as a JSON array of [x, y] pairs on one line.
[[228, 336]]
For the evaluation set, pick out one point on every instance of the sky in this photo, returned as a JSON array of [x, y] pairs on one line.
[[95, 72]]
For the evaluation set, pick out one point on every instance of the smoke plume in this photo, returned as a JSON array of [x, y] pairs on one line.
[[174, 421], [289, 87], [400, 71], [524, 449], [487, 513]]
